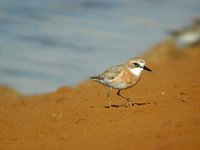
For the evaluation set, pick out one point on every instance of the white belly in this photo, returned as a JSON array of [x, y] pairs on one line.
[[114, 85]]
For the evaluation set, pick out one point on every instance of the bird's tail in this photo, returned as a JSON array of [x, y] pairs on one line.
[[96, 78]]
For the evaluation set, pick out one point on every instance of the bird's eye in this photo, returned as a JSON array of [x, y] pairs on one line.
[[136, 64]]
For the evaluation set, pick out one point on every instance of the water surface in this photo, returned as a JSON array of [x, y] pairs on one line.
[[45, 44]]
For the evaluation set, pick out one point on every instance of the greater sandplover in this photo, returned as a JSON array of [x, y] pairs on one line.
[[122, 77]]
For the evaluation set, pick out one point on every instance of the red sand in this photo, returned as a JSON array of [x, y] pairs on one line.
[[167, 114]]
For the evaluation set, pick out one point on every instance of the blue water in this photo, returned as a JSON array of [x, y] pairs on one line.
[[45, 44]]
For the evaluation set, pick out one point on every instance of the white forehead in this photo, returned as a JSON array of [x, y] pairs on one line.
[[141, 62]]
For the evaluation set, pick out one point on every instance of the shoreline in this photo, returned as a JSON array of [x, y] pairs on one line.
[[166, 114]]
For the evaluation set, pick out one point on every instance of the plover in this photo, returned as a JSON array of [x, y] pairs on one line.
[[122, 77], [187, 36]]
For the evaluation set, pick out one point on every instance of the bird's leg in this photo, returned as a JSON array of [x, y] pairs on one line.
[[128, 100], [108, 95]]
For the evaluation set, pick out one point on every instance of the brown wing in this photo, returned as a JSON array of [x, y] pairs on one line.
[[110, 73]]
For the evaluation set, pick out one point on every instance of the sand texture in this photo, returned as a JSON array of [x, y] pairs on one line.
[[166, 114]]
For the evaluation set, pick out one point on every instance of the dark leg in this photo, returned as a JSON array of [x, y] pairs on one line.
[[128, 100], [108, 95]]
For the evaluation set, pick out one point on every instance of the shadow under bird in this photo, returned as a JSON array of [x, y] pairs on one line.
[[122, 77]]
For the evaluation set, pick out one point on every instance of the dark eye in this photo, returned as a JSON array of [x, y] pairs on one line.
[[136, 64]]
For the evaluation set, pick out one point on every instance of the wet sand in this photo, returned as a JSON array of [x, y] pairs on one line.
[[166, 114]]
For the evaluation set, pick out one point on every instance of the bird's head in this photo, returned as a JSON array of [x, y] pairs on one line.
[[137, 65]]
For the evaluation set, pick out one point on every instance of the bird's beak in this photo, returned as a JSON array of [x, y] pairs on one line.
[[146, 68]]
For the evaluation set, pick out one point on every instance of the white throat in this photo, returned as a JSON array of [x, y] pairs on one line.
[[136, 71]]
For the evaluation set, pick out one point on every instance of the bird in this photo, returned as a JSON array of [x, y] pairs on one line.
[[187, 36], [122, 77]]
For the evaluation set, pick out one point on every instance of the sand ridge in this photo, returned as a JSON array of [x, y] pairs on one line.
[[166, 114]]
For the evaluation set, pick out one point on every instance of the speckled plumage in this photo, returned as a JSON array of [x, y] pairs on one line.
[[122, 76]]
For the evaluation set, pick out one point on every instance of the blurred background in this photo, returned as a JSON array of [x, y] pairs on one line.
[[45, 44]]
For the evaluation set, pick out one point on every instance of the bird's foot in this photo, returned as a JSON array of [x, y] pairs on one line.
[[129, 104]]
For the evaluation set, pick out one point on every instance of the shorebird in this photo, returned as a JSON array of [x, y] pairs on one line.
[[122, 77], [187, 36]]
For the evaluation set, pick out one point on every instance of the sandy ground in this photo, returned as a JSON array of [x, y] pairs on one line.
[[166, 114]]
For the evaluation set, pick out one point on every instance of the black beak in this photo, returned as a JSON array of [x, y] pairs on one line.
[[146, 68]]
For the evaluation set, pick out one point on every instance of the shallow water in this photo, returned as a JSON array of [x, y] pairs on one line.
[[45, 44]]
